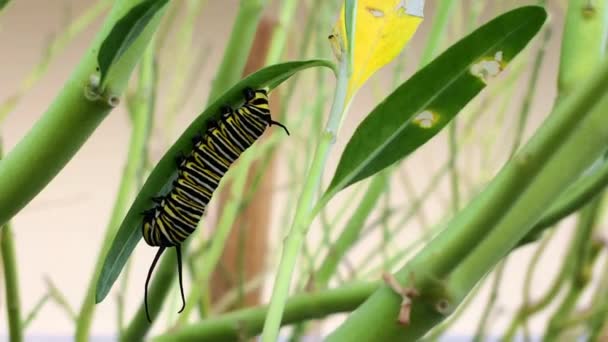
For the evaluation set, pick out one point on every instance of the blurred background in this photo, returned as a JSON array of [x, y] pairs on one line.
[[58, 235]]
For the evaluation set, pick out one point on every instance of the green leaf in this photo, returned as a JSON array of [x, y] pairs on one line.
[[424, 104], [163, 174], [124, 33], [3, 3]]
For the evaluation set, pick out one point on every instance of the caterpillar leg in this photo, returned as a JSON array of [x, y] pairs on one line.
[[158, 199], [148, 213], [198, 138], [225, 110], [178, 250], [179, 159], [158, 254], [211, 125]]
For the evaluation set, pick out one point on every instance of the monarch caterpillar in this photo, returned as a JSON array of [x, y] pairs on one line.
[[177, 213]]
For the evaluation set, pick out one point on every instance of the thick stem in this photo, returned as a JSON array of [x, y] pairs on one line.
[[583, 43], [237, 325], [574, 198], [68, 122], [303, 216], [11, 284]]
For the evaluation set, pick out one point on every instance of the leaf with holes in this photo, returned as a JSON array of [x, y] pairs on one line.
[[124, 33], [424, 104], [160, 179]]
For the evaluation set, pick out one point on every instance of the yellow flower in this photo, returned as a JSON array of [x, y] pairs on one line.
[[382, 29]]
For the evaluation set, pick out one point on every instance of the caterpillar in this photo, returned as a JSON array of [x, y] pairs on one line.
[[178, 212]]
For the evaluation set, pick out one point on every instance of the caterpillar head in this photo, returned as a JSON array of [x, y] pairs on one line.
[[148, 225]]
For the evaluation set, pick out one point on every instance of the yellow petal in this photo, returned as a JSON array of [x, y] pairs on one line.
[[382, 30]]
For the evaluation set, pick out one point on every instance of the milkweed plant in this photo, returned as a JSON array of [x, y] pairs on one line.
[[344, 240]]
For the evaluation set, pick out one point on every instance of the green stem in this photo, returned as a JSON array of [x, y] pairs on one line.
[[237, 50], [531, 90], [436, 37], [29, 318], [584, 42], [573, 198], [68, 122], [182, 65], [142, 118], [303, 217], [528, 309], [480, 334], [600, 303], [13, 303], [60, 299], [350, 233], [581, 258], [279, 34], [59, 43], [534, 199], [236, 326]]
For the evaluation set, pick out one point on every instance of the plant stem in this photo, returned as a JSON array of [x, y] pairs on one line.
[[60, 299], [29, 318], [13, 303], [600, 303], [573, 198], [584, 42], [531, 91], [482, 327], [246, 323], [237, 49], [303, 217], [68, 122], [279, 35], [142, 120], [440, 23], [581, 258], [182, 65], [352, 229], [53, 50]]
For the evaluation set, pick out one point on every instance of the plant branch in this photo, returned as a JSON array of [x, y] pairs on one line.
[[245, 323], [13, 302], [303, 216]]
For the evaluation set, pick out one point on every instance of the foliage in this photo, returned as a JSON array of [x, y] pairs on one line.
[[510, 183]]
